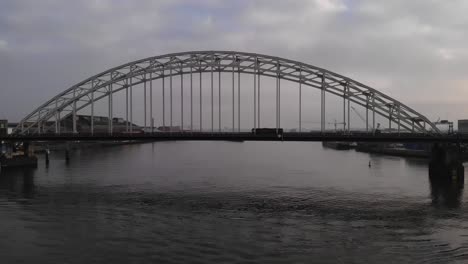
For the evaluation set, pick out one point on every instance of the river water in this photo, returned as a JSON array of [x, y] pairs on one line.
[[229, 202]]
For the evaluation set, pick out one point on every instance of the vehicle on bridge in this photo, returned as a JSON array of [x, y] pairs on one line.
[[268, 131], [170, 129], [138, 131]]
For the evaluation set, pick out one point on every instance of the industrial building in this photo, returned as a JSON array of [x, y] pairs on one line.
[[100, 123], [463, 126], [3, 127], [83, 125]]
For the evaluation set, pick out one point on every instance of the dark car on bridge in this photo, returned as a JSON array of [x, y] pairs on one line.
[[268, 131]]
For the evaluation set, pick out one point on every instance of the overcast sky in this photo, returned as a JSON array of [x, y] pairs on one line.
[[415, 51]]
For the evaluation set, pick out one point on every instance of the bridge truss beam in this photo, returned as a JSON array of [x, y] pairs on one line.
[[126, 76]]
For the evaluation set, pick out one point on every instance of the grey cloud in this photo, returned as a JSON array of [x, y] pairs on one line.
[[412, 50]]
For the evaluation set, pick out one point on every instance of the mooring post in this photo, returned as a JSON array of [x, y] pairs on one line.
[[2, 148], [26, 149], [67, 153], [47, 156]]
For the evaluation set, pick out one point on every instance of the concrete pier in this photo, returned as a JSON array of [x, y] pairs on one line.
[[446, 164]]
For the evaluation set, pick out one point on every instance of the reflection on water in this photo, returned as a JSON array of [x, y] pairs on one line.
[[446, 193], [228, 202], [447, 185], [18, 181]]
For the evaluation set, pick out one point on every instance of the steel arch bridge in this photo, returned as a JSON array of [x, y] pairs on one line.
[[144, 72]]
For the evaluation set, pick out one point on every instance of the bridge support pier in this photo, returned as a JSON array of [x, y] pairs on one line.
[[446, 164], [446, 175]]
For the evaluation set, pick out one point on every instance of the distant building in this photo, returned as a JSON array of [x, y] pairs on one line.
[[463, 126], [11, 127], [83, 125], [444, 126], [101, 124], [169, 128], [3, 127]]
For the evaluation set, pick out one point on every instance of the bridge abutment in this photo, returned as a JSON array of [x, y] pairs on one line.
[[446, 164]]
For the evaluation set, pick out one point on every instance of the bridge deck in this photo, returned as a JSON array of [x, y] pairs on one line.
[[245, 136]]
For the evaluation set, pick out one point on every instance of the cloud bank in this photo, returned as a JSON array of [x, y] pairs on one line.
[[414, 51]]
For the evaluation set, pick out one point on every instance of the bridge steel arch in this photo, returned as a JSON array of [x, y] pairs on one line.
[[91, 90]]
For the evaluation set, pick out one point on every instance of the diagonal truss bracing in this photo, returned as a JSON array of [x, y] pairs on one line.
[[134, 73]]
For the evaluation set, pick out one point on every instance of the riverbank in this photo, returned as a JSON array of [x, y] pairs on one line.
[[42, 147], [394, 151]]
